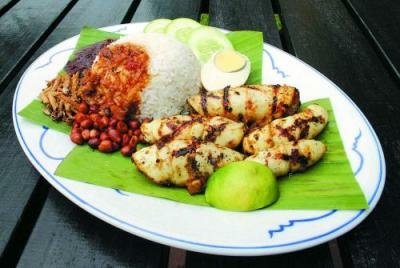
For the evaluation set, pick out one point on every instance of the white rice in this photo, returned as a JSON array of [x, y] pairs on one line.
[[174, 74]]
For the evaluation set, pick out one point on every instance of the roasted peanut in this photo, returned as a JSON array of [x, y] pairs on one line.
[[94, 142], [113, 123], [125, 139], [94, 133], [83, 108], [103, 122], [114, 135], [115, 146], [76, 130], [87, 123], [133, 141], [76, 138], [93, 108], [127, 150], [137, 132], [133, 124], [79, 117], [85, 134], [104, 136], [122, 127], [105, 146], [141, 137], [94, 117]]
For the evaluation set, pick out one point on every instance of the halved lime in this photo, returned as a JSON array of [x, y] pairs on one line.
[[181, 23], [205, 41], [242, 186], [157, 26]]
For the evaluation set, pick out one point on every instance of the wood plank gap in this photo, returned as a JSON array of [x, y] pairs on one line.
[[22, 232], [335, 254], [283, 33], [375, 43], [204, 7], [7, 7], [131, 11], [176, 258], [28, 54], [346, 255]]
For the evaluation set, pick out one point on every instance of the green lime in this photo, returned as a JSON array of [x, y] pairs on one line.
[[242, 186]]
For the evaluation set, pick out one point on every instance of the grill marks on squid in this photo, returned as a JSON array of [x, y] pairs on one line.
[[299, 123], [176, 129], [249, 103], [225, 100], [203, 101], [296, 158], [219, 130], [214, 131]]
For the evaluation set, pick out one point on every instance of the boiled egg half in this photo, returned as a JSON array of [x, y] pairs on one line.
[[225, 68]]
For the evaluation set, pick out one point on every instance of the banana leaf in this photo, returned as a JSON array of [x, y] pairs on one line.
[[34, 113], [330, 184]]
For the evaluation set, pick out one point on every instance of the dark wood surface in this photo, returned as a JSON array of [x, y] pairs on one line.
[[380, 21], [22, 28], [347, 40], [342, 52], [67, 236], [171, 9], [19, 179], [262, 20], [6, 5]]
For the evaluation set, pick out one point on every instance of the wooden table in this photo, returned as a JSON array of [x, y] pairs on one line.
[[355, 43]]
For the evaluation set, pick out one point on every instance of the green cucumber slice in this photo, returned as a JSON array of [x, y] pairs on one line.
[[157, 26], [184, 34], [180, 23], [205, 41]]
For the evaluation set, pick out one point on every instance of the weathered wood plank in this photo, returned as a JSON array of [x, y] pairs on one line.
[[324, 34], [67, 236], [176, 258], [21, 27], [153, 9], [245, 15], [18, 180], [314, 257], [381, 20], [5, 3]]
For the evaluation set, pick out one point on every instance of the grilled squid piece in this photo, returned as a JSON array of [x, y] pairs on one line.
[[304, 125], [183, 162], [220, 130], [259, 103], [290, 156]]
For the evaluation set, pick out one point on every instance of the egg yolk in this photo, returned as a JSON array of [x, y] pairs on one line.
[[229, 61]]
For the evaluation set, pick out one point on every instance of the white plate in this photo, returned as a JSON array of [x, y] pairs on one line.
[[205, 229]]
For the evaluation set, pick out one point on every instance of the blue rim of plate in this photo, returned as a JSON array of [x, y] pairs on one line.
[[231, 250]]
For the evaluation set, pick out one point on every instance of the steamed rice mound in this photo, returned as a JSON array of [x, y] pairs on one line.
[[174, 74]]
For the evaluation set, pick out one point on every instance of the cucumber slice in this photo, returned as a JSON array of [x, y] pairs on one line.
[[157, 26], [178, 24], [205, 41], [184, 34]]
